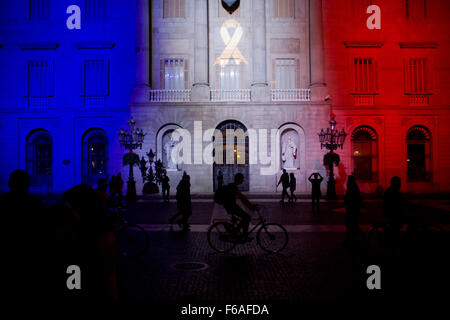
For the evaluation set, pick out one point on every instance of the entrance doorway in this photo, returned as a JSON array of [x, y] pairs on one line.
[[239, 148]]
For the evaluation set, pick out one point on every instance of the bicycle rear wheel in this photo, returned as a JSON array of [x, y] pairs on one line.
[[133, 240], [220, 237], [272, 237]]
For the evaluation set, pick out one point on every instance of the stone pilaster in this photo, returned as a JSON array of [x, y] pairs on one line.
[[260, 88], [318, 87], [200, 88], [141, 87]]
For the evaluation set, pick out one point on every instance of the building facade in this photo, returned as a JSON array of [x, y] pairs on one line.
[[64, 92], [260, 67], [200, 68]]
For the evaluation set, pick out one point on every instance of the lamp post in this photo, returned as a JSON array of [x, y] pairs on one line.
[[331, 139], [130, 140]]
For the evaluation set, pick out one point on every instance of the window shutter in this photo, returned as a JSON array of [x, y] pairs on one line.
[[218, 83], [186, 74], [428, 76], [162, 74], [274, 74], [375, 74], [297, 73], [106, 78]]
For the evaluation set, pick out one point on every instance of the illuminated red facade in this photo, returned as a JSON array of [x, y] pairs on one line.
[[389, 88]]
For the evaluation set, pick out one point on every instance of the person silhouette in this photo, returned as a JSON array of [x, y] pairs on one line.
[[284, 180], [165, 186], [184, 204], [352, 203], [316, 193], [394, 205], [219, 179], [292, 186], [23, 239]]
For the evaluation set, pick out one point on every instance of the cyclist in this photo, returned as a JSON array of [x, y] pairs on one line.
[[231, 194]]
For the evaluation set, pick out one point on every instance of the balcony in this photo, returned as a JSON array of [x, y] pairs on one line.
[[230, 94], [38, 102], [364, 99], [172, 95], [418, 99], [94, 101], [291, 95]]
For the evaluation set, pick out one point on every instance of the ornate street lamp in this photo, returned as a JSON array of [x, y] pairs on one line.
[[130, 140], [331, 139]]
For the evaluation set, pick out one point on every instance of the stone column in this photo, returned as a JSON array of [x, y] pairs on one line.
[[200, 88], [260, 88], [141, 87], [318, 86]]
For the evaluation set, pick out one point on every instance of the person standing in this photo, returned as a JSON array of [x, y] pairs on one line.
[[165, 186], [316, 193], [352, 203], [184, 204], [394, 206], [292, 187], [219, 179], [119, 187], [284, 180]]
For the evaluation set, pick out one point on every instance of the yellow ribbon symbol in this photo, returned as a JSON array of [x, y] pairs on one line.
[[231, 50]]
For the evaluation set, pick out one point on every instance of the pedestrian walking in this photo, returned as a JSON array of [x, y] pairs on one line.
[[165, 186], [119, 187], [292, 187], [316, 193], [219, 179], [184, 204], [284, 180], [352, 203]]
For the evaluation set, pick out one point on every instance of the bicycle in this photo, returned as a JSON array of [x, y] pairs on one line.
[[133, 240], [224, 235]]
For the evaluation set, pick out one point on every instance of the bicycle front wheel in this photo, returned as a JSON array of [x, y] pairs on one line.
[[133, 241], [220, 237], [272, 237]]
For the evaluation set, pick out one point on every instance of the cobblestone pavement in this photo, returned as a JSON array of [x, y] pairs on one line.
[[315, 264]]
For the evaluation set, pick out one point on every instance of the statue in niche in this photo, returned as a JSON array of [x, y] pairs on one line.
[[171, 163], [289, 153]]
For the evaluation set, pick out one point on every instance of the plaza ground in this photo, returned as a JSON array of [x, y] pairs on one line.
[[316, 265]]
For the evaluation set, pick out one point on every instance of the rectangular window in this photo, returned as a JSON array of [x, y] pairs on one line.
[[95, 9], [285, 73], [230, 74], [40, 78], [365, 75], [416, 9], [173, 9], [96, 78], [283, 8], [39, 9], [174, 73], [416, 75]]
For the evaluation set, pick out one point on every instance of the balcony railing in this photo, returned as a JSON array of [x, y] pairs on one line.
[[418, 99], [94, 101], [38, 102], [291, 94], [230, 94], [364, 99], [171, 95]]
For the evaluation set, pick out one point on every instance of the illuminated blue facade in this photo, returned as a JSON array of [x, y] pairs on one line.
[[64, 93]]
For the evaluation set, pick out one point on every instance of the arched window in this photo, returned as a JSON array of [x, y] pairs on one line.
[[94, 156], [39, 157], [364, 154], [235, 156], [418, 154]]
